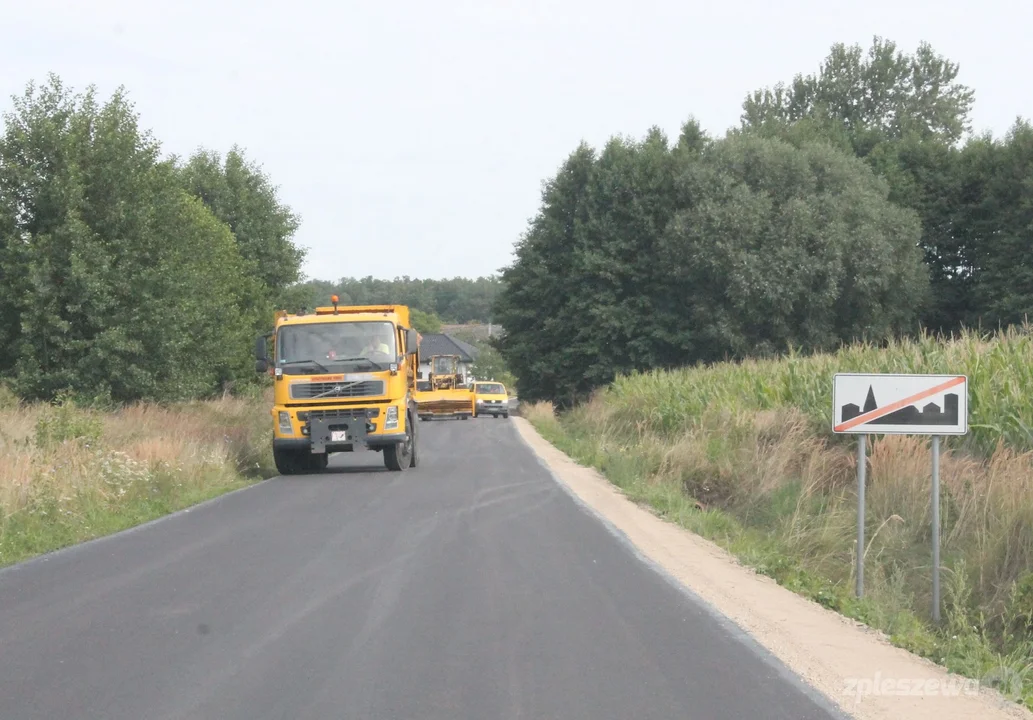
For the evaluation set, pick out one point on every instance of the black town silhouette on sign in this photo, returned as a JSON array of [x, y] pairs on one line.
[[931, 414]]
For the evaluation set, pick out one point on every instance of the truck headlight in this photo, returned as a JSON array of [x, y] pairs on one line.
[[285, 423], [391, 420]]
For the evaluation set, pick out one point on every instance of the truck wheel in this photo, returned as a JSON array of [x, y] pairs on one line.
[[399, 456], [298, 462], [415, 443], [286, 461]]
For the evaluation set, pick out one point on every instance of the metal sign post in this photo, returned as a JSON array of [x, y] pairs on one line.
[[862, 462], [936, 529], [933, 405]]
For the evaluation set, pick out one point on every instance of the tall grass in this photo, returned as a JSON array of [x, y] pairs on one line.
[[743, 454], [73, 473], [1000, 373]]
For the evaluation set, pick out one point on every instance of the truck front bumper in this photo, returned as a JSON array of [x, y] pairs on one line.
[[492, 408], [336, 431]]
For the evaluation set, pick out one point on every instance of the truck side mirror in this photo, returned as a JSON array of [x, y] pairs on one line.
[[261, 353], [412, 341]]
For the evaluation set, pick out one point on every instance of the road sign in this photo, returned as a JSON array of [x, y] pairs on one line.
[[900, 404], [907, 405]]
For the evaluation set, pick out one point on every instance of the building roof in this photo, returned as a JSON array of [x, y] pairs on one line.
[[442, 344]]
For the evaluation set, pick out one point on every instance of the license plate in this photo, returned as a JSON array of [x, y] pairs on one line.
[[338, 435]]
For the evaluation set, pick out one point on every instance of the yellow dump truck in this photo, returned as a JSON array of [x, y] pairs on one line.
[[447, 395], [344, 378]]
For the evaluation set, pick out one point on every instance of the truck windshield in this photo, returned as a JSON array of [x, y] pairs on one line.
[[490, 388], [335, 343]]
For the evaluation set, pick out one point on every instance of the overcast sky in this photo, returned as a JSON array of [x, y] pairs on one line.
[[412, 137]]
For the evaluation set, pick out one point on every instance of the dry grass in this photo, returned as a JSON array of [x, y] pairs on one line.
[[742, 454], [70, 474]]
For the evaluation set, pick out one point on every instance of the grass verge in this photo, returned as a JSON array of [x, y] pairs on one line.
[[742, 454], [71, 474]]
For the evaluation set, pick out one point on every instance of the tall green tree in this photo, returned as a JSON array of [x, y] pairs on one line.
[[998, 182], [544, 344], [780, 246], [648, 256], [883, 95], [116, 282], [241, 195], [905, 114]]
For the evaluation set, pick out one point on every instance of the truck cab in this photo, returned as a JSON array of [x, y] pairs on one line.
[[343, 379]]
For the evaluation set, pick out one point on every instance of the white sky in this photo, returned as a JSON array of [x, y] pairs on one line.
[[413, 137]]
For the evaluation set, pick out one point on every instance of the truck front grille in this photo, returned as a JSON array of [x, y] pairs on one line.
[[320, 390], [338, 414]]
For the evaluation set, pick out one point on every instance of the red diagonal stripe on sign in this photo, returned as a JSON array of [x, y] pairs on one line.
[[879, 412]]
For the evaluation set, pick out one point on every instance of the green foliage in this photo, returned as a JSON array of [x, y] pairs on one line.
[[886, 95], [649, 256], [64, 422], [425, 322], [999, 373], [781, 246], [490, 365], [1003, 218], [8, 399], [240, 194], [547, 342], [906, 115], [118, 284], [455, 300], [844, 207]]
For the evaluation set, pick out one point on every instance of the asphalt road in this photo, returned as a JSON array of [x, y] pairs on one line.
[[472, 587]]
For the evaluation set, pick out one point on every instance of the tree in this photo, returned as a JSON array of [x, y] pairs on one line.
[[886, 95], [456, 300], [242, 196], [778, 246], [425, 322], [905, 115], [538, 307], [117, 283], [647, 256], [997, 178], [490, 365]]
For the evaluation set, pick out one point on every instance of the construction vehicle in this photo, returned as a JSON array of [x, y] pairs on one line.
[[490, 398], [344, 378], [448, 395]]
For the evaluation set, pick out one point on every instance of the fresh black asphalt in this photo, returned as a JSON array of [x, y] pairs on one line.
[[472, 587]]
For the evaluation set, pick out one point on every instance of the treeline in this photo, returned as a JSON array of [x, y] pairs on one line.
[[123, 275], [455, 300], [849, 204]]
